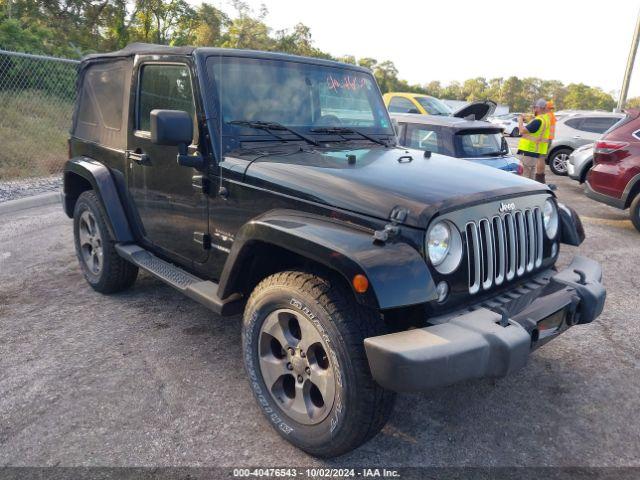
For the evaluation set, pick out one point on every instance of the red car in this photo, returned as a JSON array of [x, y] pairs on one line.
[[614, 178]]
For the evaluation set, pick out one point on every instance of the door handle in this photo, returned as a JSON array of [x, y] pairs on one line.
[[141, 159]]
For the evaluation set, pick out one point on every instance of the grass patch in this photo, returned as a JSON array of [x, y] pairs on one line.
[[34, 128]]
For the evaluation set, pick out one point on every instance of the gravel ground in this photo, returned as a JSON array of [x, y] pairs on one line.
[[150, 378], [14, 189]]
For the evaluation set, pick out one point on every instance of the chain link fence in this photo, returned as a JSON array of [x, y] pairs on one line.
[[37, 95]]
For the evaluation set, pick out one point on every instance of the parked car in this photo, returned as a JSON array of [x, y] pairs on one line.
[[416, 103], [574, 130], [508, 123], [614, 178], [476, 141], [360, 268], [580, 162]]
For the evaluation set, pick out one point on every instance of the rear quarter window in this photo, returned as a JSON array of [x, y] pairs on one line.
[[597, 124], [103, 104]]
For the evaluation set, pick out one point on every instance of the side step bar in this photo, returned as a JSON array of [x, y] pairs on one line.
[[202, 291]]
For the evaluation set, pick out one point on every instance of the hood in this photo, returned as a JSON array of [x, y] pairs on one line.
[[381, 180], [476, 110]]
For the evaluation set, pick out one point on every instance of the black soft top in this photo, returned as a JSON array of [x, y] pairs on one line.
[[141, 49], [152, 49]]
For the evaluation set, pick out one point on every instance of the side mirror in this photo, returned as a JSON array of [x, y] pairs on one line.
[[175, 128], [505, 146]]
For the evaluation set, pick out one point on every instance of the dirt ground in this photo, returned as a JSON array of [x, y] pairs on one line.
[[150, 378]]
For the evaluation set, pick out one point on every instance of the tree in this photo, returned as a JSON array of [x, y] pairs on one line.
[[159, 20], [298, 41], [433, 88], [580, 96], [633, 102], [248, 30], [453, 91], [475, 89]]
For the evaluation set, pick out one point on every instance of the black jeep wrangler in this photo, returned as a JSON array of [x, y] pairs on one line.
[[271, 185]]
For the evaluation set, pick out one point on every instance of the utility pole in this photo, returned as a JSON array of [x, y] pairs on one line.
[[630, 61]]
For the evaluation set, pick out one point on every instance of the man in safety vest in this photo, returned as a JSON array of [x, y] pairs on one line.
[[550, 134], [534, 142]]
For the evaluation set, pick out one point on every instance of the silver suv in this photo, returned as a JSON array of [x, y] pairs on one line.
[[575, 129]]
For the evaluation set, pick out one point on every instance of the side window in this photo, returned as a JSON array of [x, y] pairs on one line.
[[401, 105], [165, 87], [423, 137], [103, 100], [597, 124]]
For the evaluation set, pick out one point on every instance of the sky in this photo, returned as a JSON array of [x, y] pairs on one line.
[[568, 40]]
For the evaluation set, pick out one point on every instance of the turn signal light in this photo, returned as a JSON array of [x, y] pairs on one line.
[[360, 283]]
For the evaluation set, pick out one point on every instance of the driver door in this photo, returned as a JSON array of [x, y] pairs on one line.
[[172, 210]]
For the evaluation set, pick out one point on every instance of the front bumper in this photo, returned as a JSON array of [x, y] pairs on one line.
[[488, 341]]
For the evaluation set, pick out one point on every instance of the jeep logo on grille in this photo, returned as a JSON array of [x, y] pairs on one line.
[[506, 207]]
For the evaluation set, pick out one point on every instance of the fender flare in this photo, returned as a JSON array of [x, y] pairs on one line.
[[398, 275], [102, 182]]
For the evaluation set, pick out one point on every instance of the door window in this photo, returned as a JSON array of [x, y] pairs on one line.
[[573, 122], [423, 137], [165, 87], [401, 105]]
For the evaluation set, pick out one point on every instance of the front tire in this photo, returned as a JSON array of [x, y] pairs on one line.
[[558, 161], [101, 265], [304, 353], [634, 212]]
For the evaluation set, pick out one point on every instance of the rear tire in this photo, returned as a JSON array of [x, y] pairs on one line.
[[558, 161], [282, 312], [103, 268], [634, 212]]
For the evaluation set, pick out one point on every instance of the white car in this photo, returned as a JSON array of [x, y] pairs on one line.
[[508, 122]]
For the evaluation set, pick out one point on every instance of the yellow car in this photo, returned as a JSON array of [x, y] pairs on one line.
[[398, 102], [402, 102]]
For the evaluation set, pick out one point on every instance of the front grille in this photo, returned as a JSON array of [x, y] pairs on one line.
[[504, 247]]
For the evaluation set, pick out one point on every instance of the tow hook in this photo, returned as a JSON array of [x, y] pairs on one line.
[[582, 280]]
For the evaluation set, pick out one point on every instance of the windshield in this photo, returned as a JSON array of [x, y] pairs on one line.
[[433, 106], [297, 95], [480, 144]]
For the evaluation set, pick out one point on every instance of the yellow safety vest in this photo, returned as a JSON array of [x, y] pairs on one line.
[[537, 142]]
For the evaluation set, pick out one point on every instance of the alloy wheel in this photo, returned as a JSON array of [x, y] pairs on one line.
[[296, 367], [90, 242], [560, 162]]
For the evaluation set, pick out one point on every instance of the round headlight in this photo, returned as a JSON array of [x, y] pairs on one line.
[[550, 217], [438, 243], [444, 246]]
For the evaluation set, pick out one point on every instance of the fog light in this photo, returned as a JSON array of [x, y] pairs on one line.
[[442, 289]]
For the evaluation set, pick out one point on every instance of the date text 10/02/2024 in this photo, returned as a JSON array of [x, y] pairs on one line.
[[316, 473]]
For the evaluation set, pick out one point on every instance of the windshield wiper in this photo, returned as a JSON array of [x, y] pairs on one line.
[[268, 126], [342, 130]]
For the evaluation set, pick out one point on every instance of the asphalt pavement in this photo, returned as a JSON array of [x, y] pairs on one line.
[[151, 378]]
